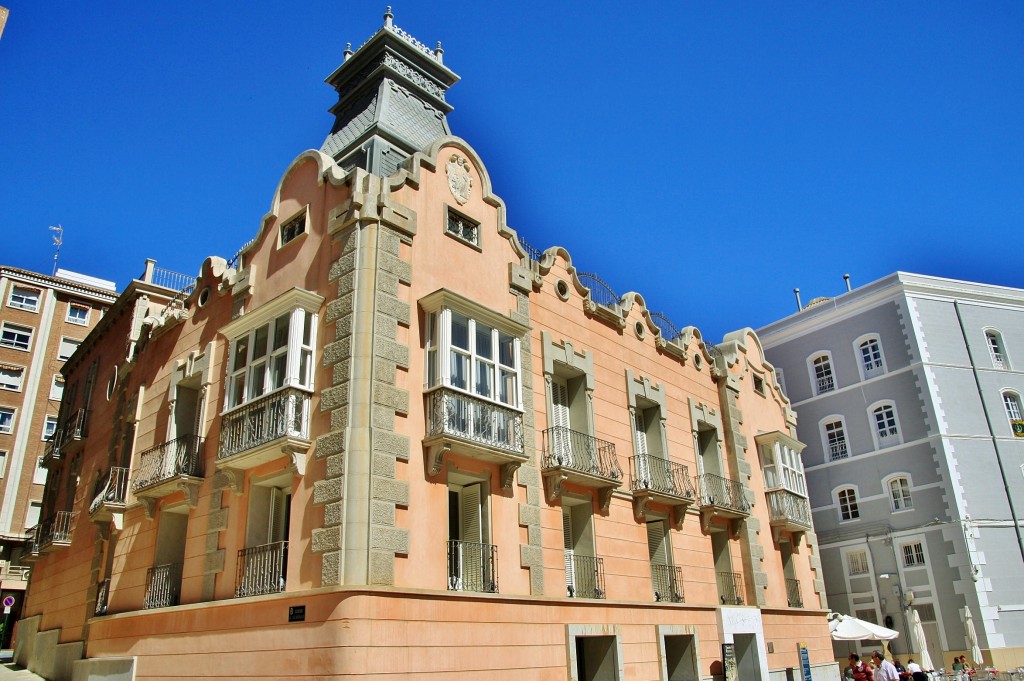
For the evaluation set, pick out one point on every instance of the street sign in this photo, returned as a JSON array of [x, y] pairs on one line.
[[9, 602]]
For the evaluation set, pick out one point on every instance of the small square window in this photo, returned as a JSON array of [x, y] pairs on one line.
[[462, 228], [67, 348], [49, 427], [78, 314], [24, 298], [293, 228], [16, 336], [759, 385], [6, 420], [913, 554], [3, 463], [57, 388], [858, 562], [32, 517], [39, 475], [11, 377]]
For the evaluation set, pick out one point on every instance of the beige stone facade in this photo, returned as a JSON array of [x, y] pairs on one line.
[[387, 441]]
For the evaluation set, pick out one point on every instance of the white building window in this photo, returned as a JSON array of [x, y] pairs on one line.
[[11, 377], [32, 516], [274, 355], [78, 313], [1012, 403], [293, 228], [24, 298], [996, 350], [39, 475], [887, 431], [3, 463], [781, 463], [857, 563], [49, 427], [834, 434], [6, 420], [67, 348], [848, 508], [461, 227], [57, 388], [899, 494], [913, 554], [780, 376], [869, 354], [16, 336], [821, 373]]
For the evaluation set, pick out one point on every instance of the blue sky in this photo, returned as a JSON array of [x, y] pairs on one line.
[[717, 154]]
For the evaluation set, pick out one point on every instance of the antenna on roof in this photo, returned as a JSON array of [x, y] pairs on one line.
[[796, 292], [846, 278], [58, 239]]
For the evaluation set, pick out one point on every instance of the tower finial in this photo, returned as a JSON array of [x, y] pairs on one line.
[[348, 50], [388, 16], [439, 53]]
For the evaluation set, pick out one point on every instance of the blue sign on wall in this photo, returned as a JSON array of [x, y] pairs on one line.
[[805, 663]]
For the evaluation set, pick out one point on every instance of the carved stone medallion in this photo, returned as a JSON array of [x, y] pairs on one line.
[[459, 179]]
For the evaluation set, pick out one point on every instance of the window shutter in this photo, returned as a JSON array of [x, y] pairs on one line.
[[471, 526], [641, 432], [656, 548], [560, 416], [570, 562]]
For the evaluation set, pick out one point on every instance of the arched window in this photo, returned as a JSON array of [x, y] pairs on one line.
[[887, 430], [899, 494], [1012, 403], [869, 355], [996, 350], [848, 508], [821, 374], [834, 435]]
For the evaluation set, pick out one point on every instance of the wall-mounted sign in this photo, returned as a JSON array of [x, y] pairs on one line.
[[730, 673], [1018, 428], [296, 613], [805, 662]]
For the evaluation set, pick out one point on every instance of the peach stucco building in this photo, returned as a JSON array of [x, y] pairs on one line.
[[388, 440]]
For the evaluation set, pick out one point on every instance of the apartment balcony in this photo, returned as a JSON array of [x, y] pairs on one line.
[[163, 586], [74, 432], [667, 581], [472, 566], [260, 431], [584, 576], [793, 596], [475, 427], [110, 496], [51, 452], [571, 456], [730, 588], [166, 468], [54, 532], [788, 511], [102, 597], [262, 569], [721, 497], [652, 478]]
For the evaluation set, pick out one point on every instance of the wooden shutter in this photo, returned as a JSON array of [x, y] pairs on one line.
[[567, 539], [656, 548], [472, 530]]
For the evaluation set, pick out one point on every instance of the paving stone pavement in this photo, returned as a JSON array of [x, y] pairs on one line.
[[10, 671]]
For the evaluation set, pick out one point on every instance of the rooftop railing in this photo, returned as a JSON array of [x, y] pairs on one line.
[[457, 414], [180, 456], [283, 413], [580, 452], [655, 474], [262, 569], [472, 566]]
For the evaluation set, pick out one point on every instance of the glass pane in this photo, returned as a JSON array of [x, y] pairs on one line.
[[484, 378], [506, 349], [507, 387], [305, 362], [238, 390], [432, 367], [307, 328], [460, 331], [278, 369], [259, 344], [281, 331], [241, 353], [256, 376], [484, 342], [460, 371]]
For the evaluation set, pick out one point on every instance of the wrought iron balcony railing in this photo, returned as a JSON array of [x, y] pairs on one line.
[[51, 452], [579, 452], [283, 413], [837, 450], [56, 530], [111, 490], [668, 583], [472, 567], [262, 569], [180, 456], [722, 493], [793, 595], [102, 596], [789, 509], [826, 384], [654, 474], [730, 588], [456, 414], [163, 586], [584, 576]]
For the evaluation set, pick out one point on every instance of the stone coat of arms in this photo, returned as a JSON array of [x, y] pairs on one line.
[[459, 179]]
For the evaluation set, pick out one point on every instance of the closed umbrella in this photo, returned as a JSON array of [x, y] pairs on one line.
[[972, 637], [918, 629], [848, 628]]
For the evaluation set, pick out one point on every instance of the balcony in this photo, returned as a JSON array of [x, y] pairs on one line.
[[54, 532], [652, 478], [166, 468], [667, 581], [163, 586], [721, 497], [730, 588], [571, 456], [102, 597], [793, 596], [788, 511], [584, 576], [262, 569], [837, 450], [51, 453], [74, 432], [273, 426], [110, 495], [825, 384], [472, 567], [469, 425]]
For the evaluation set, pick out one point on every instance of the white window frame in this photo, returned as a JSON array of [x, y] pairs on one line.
[[469, 229], [17, 298], [901, 499], [285, 232], [16, 330], [781, 463], [888, 439], [996, 349], [780, 378], [857, 558], [73, 304], [39, 474], [913, 554], [826, 443], [67, 340], [12, 417], [1012, 405], [37, 506], [47, 423], [57, 388], [254, 375], [3, 462], [16, 380], [852, 507], [873, 365], [829, 380]]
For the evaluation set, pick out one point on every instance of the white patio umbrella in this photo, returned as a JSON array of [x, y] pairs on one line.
[[925, 660], [849, 628], [972, 637]]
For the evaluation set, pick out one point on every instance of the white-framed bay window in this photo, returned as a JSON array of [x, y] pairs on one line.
[[781, 463]]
